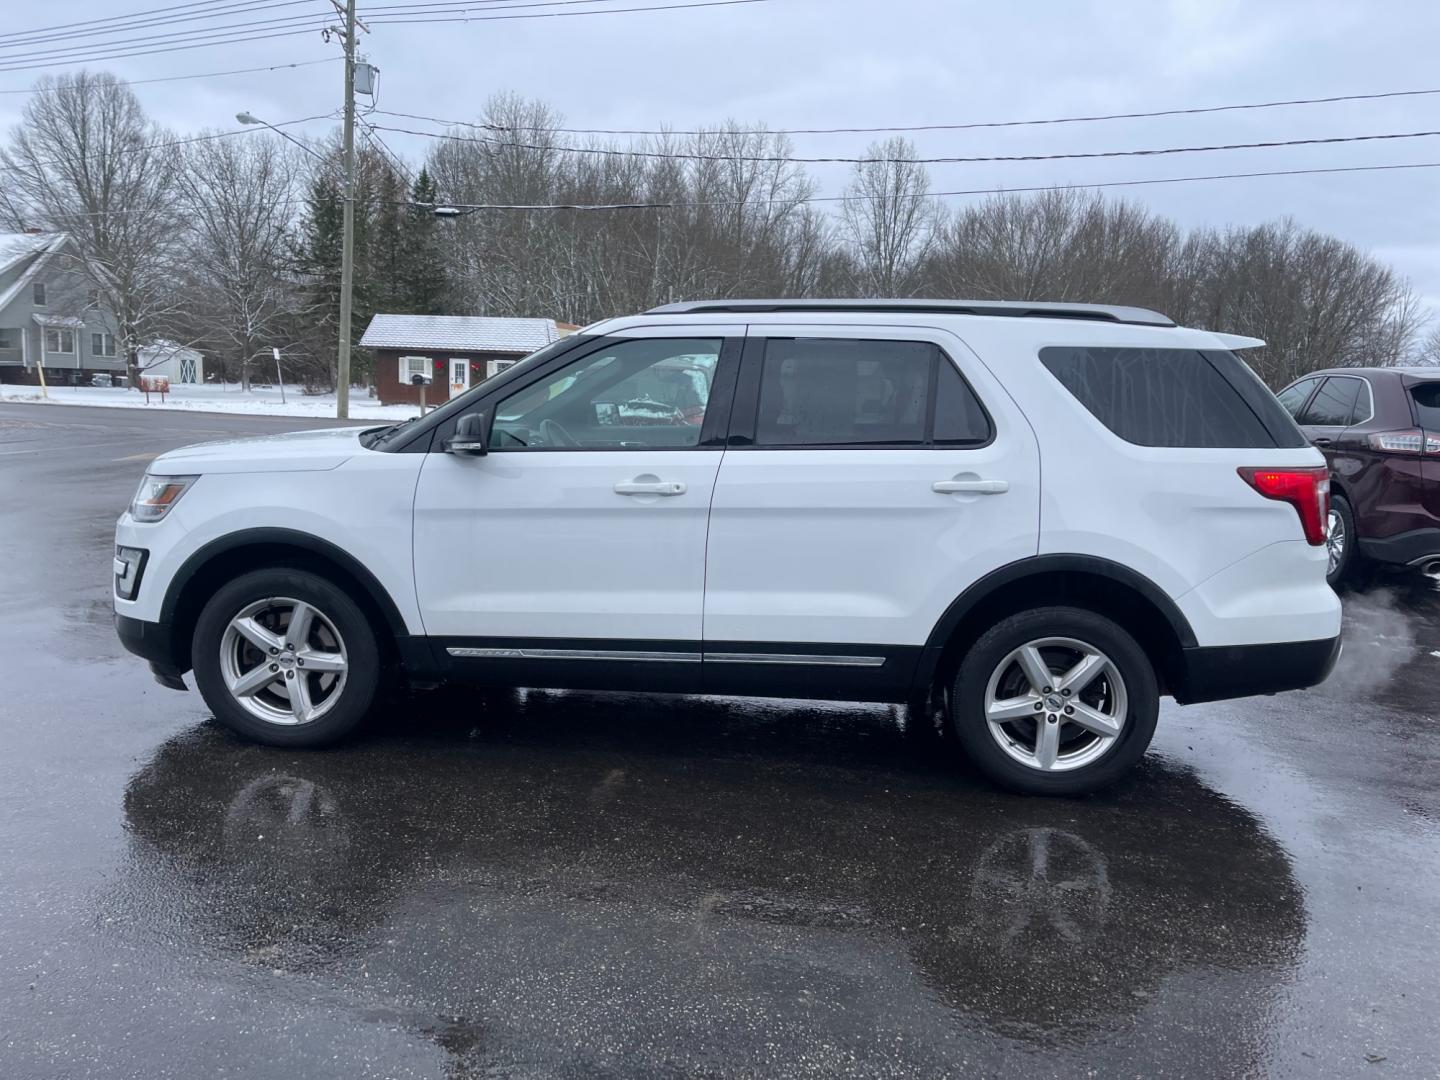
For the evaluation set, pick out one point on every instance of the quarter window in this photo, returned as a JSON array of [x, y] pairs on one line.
[[1173, 397], [645, 393], [1333, 405]]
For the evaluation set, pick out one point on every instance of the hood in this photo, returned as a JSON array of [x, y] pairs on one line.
[[296, 451]]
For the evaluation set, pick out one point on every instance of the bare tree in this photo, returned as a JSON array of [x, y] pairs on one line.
[[85, 160], [889, 219], [241, 200]]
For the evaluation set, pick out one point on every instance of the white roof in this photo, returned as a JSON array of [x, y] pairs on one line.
[[17, 246], [463, 333]]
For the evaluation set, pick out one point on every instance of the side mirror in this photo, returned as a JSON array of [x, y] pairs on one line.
[[472, 435]]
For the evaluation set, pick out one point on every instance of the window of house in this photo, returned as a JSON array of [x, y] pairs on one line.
[[646, 393], [37, 293], [494, 367], [1173, 397], [9, 339], [410, 366], [102, 344], [1334, 404], [59, 341]]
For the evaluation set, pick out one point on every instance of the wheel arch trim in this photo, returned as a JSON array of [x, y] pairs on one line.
[[280, 537], [1034, 566]]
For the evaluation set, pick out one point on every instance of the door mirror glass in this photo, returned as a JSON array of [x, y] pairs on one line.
[[472, 435]]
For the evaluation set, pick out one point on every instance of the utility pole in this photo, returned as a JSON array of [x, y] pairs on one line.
[[347, 238]]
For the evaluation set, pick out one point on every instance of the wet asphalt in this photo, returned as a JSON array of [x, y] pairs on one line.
[[545, 884]]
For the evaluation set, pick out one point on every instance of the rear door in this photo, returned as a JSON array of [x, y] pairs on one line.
[[1330, 410], [871, 475]]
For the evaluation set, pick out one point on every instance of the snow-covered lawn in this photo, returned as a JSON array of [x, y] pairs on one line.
[[212, 398]]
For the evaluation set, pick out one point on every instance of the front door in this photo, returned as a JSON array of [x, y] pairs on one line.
[[573, 553], [872, 475], [459, 376]]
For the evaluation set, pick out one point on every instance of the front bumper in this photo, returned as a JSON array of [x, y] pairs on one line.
[[1233, 671], [158, 643]]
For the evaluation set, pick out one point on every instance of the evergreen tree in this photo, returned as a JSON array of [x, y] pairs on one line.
[[425, 283]]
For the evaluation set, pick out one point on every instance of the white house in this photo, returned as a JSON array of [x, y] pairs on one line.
[[173, 361]]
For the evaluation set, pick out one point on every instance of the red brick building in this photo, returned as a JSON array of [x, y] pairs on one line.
[[457, 351]]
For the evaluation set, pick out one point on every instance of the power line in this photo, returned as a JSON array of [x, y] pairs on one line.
[[943, 194], [179, 78], [121, 23], [308, 21], [938, 127], [980, 159], [97, 57], [380, 145], [392, 20], [445, 8]]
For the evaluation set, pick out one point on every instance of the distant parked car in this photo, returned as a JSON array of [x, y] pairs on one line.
[[101, 379], [1379, 429]]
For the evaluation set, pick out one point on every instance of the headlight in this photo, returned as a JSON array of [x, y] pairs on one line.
[[157, 495]]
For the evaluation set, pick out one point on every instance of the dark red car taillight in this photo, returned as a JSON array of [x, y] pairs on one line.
[[1308, 490], [1413, 441]]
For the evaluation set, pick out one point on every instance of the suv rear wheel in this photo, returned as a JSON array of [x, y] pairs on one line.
[[1055, 701], [285, 657]]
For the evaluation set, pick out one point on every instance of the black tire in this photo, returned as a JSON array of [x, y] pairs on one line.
[[987, 654], [362, 676], [1337, 574]]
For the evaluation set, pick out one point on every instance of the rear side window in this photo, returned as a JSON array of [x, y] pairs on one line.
[[1426, 397], [836, 392], [1293, 397], [827, 392], [1174, 397], [1334, 405]]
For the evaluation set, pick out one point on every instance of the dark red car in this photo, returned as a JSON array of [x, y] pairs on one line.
[[1379, 428]]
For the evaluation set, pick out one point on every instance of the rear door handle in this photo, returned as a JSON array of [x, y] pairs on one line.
[[650, 487], [970, 487], [1322, 440]]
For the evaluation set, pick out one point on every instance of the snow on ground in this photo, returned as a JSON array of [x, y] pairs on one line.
[[214, 398]]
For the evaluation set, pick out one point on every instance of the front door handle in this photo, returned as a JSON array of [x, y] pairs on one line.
[[650, 487], [970, 487]]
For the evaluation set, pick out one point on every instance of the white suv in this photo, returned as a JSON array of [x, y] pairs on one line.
[[1029, 519]]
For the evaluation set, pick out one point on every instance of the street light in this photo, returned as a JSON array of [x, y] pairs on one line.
[[251, 118]]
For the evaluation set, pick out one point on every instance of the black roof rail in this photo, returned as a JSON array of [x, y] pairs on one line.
[[1019, 309]]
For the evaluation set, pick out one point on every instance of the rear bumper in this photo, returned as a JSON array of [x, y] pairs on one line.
[[1232, 671], [1402, 549]]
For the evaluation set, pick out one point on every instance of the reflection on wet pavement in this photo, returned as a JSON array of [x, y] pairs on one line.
[[670, 876]]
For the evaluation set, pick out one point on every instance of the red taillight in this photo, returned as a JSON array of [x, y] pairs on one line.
[[1308, 490]]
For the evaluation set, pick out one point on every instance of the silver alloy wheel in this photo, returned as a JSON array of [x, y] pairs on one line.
[[1056, 704], [283, 661], [1335, 540]]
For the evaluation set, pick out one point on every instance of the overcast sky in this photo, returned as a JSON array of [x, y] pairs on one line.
[[832, 63]]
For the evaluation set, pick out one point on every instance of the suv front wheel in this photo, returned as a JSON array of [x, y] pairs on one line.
[[1055, 701], [285, 657]]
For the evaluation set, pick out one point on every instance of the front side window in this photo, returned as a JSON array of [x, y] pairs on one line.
[[1333, 405], [1173, 397], [646, 393], [59, 341], [833, 392]]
